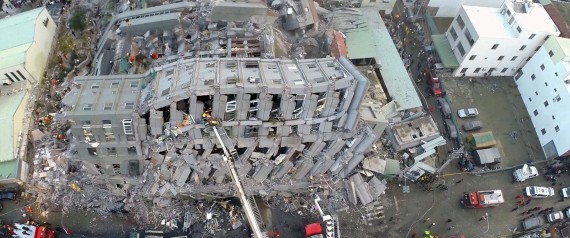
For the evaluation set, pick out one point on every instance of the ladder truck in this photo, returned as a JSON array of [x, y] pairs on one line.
[[248, 202]]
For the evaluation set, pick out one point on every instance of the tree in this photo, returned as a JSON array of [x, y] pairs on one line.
[[77, 20], [65, 44]]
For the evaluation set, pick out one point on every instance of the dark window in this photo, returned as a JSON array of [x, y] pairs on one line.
[[460, 22], [535, 112], [537, 48], [553, 117], [18, 71], [495, 46], [477, 70], [545, 84], [543, 131], [555, 90], [557, 128], [469, 37], [533, 77], [16, 77], [519, 29], [92, 151], [530, 99], [536, 93], [558, 98], [550, 53], [453, 33], [10, 78], [522, 47], [106, 122], [463, 70], [504, 70], [528, 59], [542, 67], [461, 49], [514, 58], [46, 21], [545, 103], [86, 123], [472, 57], [501, 57], [531, 36], [556, 73]]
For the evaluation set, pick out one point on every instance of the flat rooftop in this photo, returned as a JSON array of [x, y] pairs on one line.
[[533, 18], [417, 129], [10, 100], [489, 22]]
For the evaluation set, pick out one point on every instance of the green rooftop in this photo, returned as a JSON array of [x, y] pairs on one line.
[[443, 49], [18, 29], [8, 106], [9, 169]]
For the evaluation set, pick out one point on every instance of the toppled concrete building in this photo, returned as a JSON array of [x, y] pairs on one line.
[[290, 121], [135, 39]]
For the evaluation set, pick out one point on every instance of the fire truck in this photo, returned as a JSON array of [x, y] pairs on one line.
[[433, 82], [481, 199]]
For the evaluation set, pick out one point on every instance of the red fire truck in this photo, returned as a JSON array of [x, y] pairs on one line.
[[481, 199], [433, 82]]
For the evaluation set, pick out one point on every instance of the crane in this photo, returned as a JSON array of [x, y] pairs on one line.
[[249, 205]]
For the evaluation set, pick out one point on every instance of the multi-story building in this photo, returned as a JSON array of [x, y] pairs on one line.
[[491, 41], [544, 85], [290, 120], [26, 41], [25, 57]]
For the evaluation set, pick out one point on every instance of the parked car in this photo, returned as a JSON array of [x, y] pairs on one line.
[[567, 212], [451, 129], [467, 112], [533, 222], [444, 108], [472, 125], [7, 195], [539, 192], [555, 216], [524, 173], [565, 193]]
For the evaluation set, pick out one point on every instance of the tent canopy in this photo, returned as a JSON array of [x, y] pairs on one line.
[[487, 156], [481, 140]]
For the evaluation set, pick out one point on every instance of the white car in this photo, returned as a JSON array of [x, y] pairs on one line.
[[539, 192], [524, 173], [467, 112], [555, 216], [565, 192]]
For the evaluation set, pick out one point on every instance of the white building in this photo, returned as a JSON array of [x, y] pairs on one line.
[[544, 85], [446, 8], [498, 41], [26, 41]]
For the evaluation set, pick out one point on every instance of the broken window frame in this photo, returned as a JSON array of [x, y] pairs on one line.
[[231, 106], [127, 126], [114, 85], [321, 102], [254, 105], [134, 84], [299, 109], [95, 85], [87, 107], [129, 105], [117, 168], [92, 151], [108, 106]]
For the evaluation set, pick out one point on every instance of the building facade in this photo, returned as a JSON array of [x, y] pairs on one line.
[[491, 41], [290, 121], [26, 43], [544, 84]]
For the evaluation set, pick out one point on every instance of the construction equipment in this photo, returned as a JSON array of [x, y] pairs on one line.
[[248, 202], [482, 199], [314, 230]]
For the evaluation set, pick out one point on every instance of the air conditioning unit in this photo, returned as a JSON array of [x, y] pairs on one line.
[[567, 81]]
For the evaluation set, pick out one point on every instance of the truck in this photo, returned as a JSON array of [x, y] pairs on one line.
[[433, 82], [482, 199], [524, 173], [314, 230]]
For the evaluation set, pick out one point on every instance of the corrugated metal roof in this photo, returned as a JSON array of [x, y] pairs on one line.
[[443, 49], [13, 56], [9, 169], [368, 37], [18, 29], [8, 106]]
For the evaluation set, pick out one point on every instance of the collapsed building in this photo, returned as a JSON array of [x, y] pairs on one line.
[[290, 121]]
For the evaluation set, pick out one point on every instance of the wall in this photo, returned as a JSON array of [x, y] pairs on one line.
[[18, 121], [37, 54], [535, 92], [448, 8], [14, 70]]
